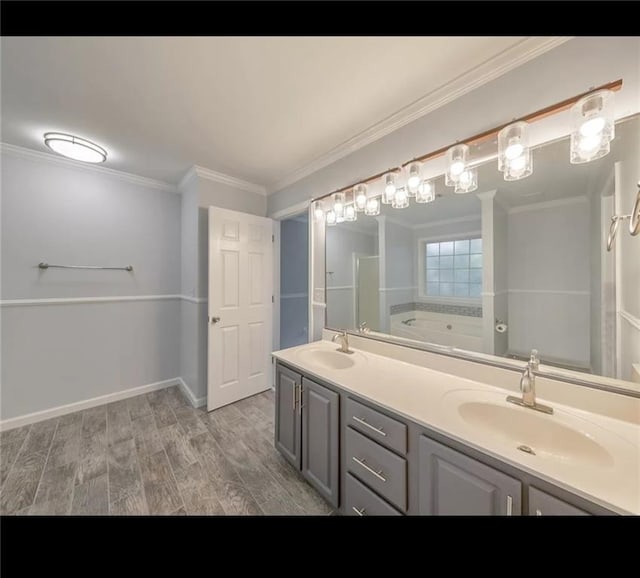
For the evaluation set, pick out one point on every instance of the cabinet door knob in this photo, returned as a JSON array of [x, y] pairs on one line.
[[214, 320]]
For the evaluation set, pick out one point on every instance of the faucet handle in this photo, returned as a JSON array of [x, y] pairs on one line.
[[534, 359]]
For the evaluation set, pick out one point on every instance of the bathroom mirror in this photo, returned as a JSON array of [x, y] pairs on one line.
[[512, 266]]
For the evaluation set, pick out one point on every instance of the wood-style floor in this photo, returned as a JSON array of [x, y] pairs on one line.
[[153, 454]]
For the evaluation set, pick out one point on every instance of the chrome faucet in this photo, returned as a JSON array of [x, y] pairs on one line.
[[528, 386], [344, 348]]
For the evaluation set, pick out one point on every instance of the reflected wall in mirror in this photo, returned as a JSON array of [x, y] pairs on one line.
[[511, 267]]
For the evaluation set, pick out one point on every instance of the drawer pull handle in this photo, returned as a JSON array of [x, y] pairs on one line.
[[377, 474], [509, 505], [300, 404], [295, 396], [367, 424], [359, 512]]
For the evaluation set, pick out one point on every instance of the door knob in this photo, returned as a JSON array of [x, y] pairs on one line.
[[215, 320]]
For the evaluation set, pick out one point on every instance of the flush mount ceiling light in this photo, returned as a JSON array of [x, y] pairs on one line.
[[593, 128], [514, 154], [74, 147]]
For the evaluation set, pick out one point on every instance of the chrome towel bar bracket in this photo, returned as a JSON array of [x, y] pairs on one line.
[[634, 222]]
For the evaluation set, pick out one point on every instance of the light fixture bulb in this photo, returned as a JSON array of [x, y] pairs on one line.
[[589, 143], [413, 180], [514, 150], [426, 192], [360, 196], [592, 126], [331, 218], [518, 163], [457, 158], [350, 213], [400, 199], [373, 207], [467, 182], [74, 147], [389, 188], [338, 204], [318, 211]]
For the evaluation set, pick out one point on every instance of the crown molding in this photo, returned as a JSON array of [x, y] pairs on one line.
[[549, 204], [218, 177], [26, 153], [496, 66]]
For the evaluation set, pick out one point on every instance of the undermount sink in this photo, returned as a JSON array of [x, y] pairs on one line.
[[563, 438], [327, 359]]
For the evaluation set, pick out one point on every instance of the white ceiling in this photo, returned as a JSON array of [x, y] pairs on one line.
[[254, 108]]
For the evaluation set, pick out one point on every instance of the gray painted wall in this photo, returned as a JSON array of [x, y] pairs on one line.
[[569, 69], [550, 312], [56, 354], [294, 282]]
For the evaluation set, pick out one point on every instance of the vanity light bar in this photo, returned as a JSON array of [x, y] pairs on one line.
[[488, 134]]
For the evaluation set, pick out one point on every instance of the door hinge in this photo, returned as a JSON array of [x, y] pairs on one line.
[[273, 238], [273, 299]]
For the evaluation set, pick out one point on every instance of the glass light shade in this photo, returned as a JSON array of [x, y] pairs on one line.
[[360, 196], [519, 167], [513, 143], [339, 219], [413, 178], [467, 182], [331, 217], [389, 188], [373, 207], [338, 204], [318, 211], [350, 213], [400, 199], [426, 192], [74, 147], [593, 127], [457, 158]]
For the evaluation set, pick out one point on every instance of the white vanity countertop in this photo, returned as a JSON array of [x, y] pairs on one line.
[[420, 395]]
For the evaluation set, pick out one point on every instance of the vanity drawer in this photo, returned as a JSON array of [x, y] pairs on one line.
[[379, 427], [379, 468], [361, 501]]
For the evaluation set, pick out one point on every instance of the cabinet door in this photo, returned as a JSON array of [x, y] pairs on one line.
[[453, 484], [320, 430], [287, 426], [543, 504]]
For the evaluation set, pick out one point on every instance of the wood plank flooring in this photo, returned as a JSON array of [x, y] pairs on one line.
[[153, 455]]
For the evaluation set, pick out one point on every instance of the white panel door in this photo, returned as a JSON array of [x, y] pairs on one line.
[[240, 306]]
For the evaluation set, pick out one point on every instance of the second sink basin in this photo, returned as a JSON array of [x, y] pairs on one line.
[[327, 358], [562, 438]]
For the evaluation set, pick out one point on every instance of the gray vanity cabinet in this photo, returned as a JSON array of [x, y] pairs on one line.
[[307, 430], [320, 435], [288, 424], [543, 504], [453, 484]]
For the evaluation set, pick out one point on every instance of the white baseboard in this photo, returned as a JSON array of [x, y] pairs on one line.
[[88, 403], [194, 401]]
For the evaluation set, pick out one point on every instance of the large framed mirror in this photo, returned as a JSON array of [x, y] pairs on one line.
[[510, 267]]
